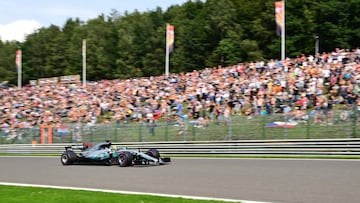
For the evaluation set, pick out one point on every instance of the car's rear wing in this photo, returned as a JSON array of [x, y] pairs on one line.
[[81, 147]]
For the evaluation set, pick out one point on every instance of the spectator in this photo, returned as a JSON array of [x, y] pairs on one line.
[[249, 88]]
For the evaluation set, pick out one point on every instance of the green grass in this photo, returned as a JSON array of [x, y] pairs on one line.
[[14, 194]]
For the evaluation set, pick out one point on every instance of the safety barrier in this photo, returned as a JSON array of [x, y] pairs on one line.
[[244, 147]]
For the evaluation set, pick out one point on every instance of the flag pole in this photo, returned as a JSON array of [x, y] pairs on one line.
[[167, 53], [84, 62], [283, 33]]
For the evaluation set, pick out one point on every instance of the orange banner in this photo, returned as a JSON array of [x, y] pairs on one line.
[[279, 16], [18, 59], [170, 37]]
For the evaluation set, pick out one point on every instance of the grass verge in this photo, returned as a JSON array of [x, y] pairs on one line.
[[14, 194]]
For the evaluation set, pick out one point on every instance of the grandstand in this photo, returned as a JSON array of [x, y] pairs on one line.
[[295, 87]]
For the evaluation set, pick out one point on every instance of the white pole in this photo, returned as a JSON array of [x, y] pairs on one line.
[[283, 33], [84, 62], [167, 54], [316, 45]]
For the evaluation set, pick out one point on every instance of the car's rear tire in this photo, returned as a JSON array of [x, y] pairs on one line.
[[153, 153], [68, 158], [125, 159]]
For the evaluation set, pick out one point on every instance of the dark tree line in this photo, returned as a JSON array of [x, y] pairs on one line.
[[207, 34]]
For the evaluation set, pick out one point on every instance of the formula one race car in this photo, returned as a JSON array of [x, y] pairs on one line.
[[105, 153]]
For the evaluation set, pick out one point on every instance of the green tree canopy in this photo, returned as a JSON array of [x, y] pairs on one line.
[[207, 34]]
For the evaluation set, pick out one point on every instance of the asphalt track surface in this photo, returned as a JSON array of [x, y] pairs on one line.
[[269, 180]]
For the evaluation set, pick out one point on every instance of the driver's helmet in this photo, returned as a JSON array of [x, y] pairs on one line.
[[112, 148]]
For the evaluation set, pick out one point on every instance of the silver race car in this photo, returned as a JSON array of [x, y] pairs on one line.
[[107, 154]]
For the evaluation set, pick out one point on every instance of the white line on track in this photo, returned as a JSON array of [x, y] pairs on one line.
[[127, 192]]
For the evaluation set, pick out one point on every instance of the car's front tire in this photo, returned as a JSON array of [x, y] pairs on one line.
[[153, 153]]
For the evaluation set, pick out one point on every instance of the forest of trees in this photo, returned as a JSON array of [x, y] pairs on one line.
[[207, 34]]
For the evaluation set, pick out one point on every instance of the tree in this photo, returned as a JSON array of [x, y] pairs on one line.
[[7, 62], [43, 54], [207, 34]]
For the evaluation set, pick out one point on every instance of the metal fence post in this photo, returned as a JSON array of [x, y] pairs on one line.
[[116, 130], [229, 128], [308, 126], [285, 126], [263, 126], [166, 131], [349, 124], [107, 127], [91, 134], [141, 132], [354, 120], [185, 131]]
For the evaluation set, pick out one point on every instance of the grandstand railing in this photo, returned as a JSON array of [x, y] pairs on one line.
[[313, 125]]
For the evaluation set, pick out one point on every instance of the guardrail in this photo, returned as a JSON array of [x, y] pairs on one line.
[[244, 147]]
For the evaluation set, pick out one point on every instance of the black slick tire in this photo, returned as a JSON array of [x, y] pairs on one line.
[[68, 158], [153, 153], [125, 159]]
